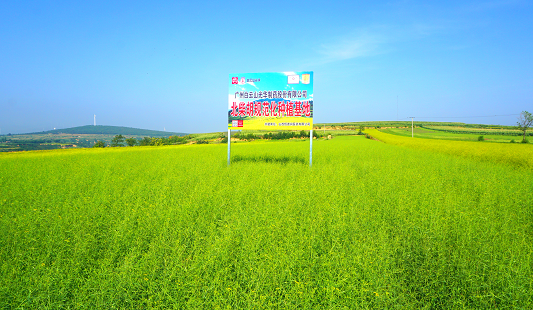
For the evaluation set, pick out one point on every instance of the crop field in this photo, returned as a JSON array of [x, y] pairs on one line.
[[371, 225], [458, 134], [490, 131], [387, 124], [516, 154]]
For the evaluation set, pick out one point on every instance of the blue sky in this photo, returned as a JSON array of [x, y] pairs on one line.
[[165, 65]]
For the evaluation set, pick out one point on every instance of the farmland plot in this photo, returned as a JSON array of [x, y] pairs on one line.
[[370, 225]]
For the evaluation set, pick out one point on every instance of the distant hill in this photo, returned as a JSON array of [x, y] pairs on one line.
[[112, 130]]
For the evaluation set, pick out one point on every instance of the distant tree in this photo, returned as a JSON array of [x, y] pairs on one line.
[[145, 141], [249, 137], [156, 141], [525, 120], [99, 144], [180, 140], [132, 142], [117, 141], [361, 129]]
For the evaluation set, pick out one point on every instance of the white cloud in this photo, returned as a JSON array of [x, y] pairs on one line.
[[376, 40], [353, 46]]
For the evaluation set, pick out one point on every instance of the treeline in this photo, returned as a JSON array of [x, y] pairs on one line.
[[399, 124], [14, 144], [379, 124], [480, 132], [120, 140], [30, 141], [17, 147], [489, 126]]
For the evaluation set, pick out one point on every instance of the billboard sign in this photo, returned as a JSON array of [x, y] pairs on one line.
[[271, 101]]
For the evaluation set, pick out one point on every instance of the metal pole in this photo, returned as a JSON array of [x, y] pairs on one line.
[[311, 148], [229, 145]]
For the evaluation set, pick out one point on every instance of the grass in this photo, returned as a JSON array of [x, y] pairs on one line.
[[505, 130], [457, 136], [515, 154], [387, 124], [370, 225]]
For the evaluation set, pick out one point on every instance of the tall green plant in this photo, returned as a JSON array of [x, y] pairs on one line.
[[117, 141], [525, 120]]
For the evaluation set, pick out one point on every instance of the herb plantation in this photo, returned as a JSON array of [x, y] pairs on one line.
[[403, 224]]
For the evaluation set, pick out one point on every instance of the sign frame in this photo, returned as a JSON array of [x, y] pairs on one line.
[[271, 101]]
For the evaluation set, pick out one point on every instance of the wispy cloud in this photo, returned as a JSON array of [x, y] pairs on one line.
[[373, 41], [353, 46], [362, 42]]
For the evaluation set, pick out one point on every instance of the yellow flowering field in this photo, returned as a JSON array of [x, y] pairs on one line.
[[517, 154], [371, 225]]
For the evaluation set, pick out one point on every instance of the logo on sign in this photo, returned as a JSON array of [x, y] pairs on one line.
[[237, 123], [293, 79], [306, 78], [234, 80], [243, 81]]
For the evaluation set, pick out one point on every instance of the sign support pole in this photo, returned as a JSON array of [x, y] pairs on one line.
[[229, 146], [311, 148]]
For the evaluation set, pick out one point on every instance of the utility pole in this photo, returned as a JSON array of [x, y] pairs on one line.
[[412, 127], [95, 120], [397, 108]]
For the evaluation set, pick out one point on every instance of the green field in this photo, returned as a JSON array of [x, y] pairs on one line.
[[395, 225], [480, 131], [401, 124], [459, 133]]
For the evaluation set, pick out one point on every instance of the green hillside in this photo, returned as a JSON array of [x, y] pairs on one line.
[[112, 130]]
